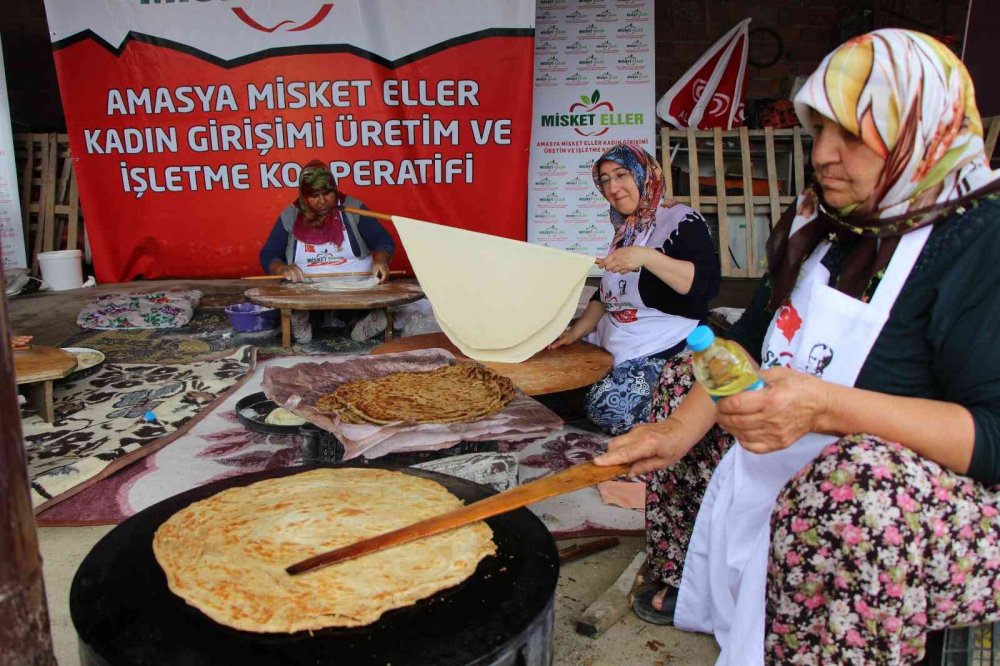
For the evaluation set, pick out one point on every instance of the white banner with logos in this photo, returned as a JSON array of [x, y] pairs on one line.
[[594, 88], [11, 228]]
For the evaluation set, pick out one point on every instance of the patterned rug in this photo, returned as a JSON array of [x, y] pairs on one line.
[[100, 425], [219, 446], [208, 333]]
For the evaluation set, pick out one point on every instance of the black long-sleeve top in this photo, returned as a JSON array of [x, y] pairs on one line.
[[940, 341], [690, 242]]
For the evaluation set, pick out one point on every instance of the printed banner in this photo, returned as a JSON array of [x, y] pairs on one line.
[[11, 227], [189, 121], [594, 88]]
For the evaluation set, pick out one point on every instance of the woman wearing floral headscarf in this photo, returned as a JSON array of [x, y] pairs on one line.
[[314, 235], [660, 274], [858, 511]]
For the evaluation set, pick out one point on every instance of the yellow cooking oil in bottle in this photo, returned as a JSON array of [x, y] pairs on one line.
[[721, 366]]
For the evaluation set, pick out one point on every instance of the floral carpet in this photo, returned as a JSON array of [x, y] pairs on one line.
[[100, 423], [207, 334], [219, 446]]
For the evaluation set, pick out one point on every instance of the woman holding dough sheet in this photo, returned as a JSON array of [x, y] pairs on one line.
[[659, 276]]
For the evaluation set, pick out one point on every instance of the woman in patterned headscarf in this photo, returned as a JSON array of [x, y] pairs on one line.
[[659, 275], [309, 238], [859, 510]]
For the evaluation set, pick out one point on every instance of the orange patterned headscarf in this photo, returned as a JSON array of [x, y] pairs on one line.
[[910, 100]]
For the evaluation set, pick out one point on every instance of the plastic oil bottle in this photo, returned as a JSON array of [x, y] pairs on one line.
[[721, 366]]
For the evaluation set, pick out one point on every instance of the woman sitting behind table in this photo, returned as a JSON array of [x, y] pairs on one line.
[[309, 238], [659, 277], [860, 507]]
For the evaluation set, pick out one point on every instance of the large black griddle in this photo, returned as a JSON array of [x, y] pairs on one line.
[[125, 614]]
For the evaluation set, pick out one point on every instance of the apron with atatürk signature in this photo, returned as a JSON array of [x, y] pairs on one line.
[[314, 258], [825, 333], [629, 328]]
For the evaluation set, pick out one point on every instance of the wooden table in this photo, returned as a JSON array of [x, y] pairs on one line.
[[38, 367], [548, 371], [303, 296]]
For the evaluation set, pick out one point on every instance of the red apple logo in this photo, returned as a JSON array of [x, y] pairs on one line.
[[588, 105], [323, 12]]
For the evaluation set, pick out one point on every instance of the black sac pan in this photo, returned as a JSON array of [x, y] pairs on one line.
[[503, 615]]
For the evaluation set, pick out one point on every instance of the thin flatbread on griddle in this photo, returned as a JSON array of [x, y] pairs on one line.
[[455, 393], [226, 555]]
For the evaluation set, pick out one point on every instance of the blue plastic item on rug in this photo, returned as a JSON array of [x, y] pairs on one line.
[[250, 317]]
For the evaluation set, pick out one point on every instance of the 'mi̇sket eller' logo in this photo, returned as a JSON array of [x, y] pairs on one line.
[[591, 116]]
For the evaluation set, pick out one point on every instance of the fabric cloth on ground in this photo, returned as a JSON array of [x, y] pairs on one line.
[[157, 309], [219, 446], [207, 334], [100, 425], [300, 387]]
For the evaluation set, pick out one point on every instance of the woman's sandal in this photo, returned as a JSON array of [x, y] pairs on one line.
[[643, 605]]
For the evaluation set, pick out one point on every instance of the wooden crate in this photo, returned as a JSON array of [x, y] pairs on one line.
[[50, 199], [769, 194], [733, 189]]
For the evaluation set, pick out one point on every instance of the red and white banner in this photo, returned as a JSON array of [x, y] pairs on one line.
[[11, 227], [710, 94], [189, 121]]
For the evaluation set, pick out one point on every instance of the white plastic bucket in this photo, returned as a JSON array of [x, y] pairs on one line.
[[62, 269]]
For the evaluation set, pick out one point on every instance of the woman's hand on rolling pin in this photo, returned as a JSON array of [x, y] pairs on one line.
[[21, 340], [625, 259], [381, 271], [292, 273], [790, 405]]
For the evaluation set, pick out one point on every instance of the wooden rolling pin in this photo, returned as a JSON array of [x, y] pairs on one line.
[[320, 275], [574, 478]]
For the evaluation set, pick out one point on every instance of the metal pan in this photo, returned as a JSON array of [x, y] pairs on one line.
[[125, 614]]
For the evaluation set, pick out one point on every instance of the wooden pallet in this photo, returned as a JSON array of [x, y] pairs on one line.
[[743, 193], [50, 198]]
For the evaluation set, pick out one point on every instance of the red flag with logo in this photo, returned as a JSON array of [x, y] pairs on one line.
[[710, 94]]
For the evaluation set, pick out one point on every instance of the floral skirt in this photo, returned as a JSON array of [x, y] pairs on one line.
[[673, 495], [871, 547]]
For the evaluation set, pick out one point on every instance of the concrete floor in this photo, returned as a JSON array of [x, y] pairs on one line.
[[51, 319]]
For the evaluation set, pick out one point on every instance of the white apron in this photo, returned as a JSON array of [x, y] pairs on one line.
[[330, 258], [629, 329], [825, 333]]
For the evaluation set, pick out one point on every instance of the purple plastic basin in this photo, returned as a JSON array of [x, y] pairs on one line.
[[250, 317]]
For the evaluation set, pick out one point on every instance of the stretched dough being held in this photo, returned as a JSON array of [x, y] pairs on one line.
[[495, 298]]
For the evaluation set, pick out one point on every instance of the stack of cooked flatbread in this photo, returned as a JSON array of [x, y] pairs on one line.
[[496, 299], [226, 555], [456, 393]]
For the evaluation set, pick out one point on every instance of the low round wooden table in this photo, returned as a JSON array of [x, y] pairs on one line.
[[303, 296], [548, 371], [38, 367]]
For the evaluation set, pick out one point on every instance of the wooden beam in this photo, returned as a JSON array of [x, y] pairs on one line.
[[693, 168], [666, 163], [751, 266], [798, 161], [720, 198], [772, 176]]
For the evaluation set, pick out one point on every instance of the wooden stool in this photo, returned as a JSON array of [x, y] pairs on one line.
[[548, 371], [38, 367]]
